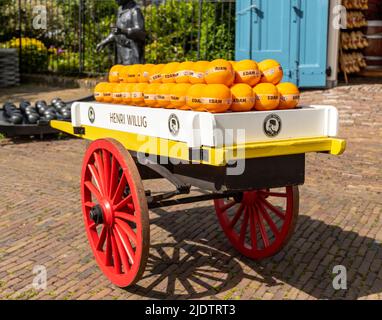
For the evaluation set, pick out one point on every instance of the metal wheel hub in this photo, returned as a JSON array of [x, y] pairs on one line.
[[102, 213], [96, 214], [250, 198]]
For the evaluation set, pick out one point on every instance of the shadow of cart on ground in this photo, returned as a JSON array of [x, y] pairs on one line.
[[201, 262]]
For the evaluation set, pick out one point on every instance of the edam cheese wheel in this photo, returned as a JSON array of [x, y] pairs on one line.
[[117, 89], [169, 72], [133, 73], [155, 73], [178, 96], [271, 71], [137, 94], [194, 96], [219, 71], [114, 73], [267, 96], [198, 72], [289, 95], [124, 74], [108, 93], [247, 71], [104, 92], [150, 94], [243, 98], [216, 98], [100, 90], [126, 89], [184, 72], [144, 73], [164, 94]]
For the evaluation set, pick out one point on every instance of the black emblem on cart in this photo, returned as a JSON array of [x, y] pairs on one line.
[[173, 124], [91, 114], [272, 125]]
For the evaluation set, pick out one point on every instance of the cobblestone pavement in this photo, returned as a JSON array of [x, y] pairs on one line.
[[32, 92], [340, 222]]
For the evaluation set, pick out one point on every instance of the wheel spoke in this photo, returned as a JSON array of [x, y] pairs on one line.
[[108, 250], [106, 169], [125, 216], [244, 226], [268, 218], [128, 201], [122, 251], [126, 243], [263, 232], [93, 190], [102, 238], [113, 175], [270, 206], [99, 164], [121, 187], [89, 204], [252, 226], [92, 225], [237, 216], [116, 257], [96, 177], [228, 205], [127, 230]]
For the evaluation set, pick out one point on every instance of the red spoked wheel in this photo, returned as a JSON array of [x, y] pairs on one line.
[[259, 223], [115, 211]]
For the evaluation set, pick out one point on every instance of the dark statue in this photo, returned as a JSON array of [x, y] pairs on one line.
[[128, 34]]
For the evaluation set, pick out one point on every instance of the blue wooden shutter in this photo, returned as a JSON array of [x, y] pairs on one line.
[[293, 32], [243, 29], [271, 33], [312, 59]]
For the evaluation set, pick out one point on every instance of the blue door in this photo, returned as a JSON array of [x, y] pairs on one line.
[[294, 32], [313, 35]]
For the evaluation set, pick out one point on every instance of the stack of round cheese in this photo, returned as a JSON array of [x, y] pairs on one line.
[[216, 86]]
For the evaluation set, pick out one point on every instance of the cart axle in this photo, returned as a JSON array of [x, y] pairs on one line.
[[152, 204]]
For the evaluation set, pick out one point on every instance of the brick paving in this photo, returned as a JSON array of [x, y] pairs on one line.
[[33, 92], [340, 222]]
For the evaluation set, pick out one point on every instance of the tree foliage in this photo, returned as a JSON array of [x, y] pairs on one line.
[[173, 31], [176, 30]]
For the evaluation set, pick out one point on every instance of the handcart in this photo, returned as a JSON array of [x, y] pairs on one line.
[[249, 163]]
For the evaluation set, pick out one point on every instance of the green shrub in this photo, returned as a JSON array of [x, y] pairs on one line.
[[34, 54], [173, 31], [66, 59], [172, 34], [64, 62]]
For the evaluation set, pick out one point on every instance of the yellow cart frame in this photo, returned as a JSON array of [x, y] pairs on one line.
[[209, 156]]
